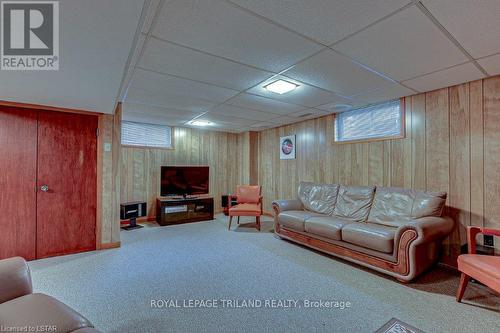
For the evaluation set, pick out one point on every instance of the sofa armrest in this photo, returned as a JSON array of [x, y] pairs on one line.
[[430, 228], [283, 205], [15, 279]]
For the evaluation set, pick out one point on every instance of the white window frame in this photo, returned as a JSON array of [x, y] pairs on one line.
[[146, 144], [400, 135]]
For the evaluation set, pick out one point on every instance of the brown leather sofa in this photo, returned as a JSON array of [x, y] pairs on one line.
[[23, 311], [394, 231]]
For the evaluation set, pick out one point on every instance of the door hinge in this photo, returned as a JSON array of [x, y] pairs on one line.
[[97, 132]]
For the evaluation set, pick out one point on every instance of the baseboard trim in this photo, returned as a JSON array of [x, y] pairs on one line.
[[447, 266], [147, 219], [107, 246]]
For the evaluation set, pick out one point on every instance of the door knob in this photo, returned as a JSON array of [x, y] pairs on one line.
[[44, 188]]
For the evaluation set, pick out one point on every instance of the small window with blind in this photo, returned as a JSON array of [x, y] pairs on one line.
[[380, 121], [146, 135]]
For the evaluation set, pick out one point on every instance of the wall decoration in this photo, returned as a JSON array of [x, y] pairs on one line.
[[287, 147]]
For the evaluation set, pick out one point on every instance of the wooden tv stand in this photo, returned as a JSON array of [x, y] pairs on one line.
[[177, 210]]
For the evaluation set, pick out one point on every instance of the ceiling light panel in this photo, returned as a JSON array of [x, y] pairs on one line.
[[305, 95], [281, 87]]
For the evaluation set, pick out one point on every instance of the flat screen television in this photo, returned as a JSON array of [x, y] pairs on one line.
[[184, 180]]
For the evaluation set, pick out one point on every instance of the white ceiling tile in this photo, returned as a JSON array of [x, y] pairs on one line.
[[304, 94], [262, 125], [132, 108], [263, 104], [334, 72], [348, 104], [285, 120], [491, 64], [308, 114], [169, 58], [386, 94], [326, 21], [150, 14], [223, 29], [231, 110], [445, 78], [223, 120], [474, 23], [137, 52], [403, 46], [139, 96], [154, 119], [167, 84]]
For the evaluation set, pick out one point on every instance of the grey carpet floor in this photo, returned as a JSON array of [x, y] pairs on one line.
[[114, 288]]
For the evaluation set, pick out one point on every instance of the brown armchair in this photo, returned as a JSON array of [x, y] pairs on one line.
[[249, 203], [20, 307], [483, 268]]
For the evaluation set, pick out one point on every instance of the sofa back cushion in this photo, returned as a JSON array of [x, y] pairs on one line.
[[391, 206], [353, 202], [396, 206], [428, 204], [318, 198]]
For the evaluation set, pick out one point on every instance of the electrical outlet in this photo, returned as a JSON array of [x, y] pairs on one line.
[[107, 146], [488, 240]]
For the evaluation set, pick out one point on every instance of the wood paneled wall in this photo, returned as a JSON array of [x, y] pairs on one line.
[[226, 154], [108, 179], [452, 144]]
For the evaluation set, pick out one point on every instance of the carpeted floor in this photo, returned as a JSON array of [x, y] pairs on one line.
[[204, 261]]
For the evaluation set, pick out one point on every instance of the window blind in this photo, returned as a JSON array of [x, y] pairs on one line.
[[146, 135], [375, 121]]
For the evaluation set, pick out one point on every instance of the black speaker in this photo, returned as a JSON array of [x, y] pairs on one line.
[[224, 200], [131, 211]]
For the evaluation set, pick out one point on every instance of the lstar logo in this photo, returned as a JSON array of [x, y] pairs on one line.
[[30, 35]]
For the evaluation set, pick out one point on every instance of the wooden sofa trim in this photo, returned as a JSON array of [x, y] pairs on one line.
[[401, 266]]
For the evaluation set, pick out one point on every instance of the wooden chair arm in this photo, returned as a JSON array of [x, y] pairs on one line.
[[490, 232], [472, 233]]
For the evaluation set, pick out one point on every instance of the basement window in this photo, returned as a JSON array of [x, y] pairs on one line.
[[146, 135], [374, 122]]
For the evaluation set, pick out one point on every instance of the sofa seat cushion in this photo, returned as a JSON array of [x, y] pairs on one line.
[[41, 310], [294, 219], [245, 209], [372, 236], [326, 226]]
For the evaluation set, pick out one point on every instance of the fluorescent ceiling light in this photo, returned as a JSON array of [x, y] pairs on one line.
[[200, 123], [281, 87]]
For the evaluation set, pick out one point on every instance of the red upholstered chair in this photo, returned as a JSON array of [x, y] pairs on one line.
[[483, 268], [249, 203]]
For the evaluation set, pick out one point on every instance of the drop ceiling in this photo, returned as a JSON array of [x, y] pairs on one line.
[[210, 60], [173, 61]]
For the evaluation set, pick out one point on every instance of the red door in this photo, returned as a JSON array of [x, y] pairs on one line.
[[18, 141], [66, 184]]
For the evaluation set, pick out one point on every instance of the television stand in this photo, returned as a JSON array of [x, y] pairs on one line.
[[170, 211]]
